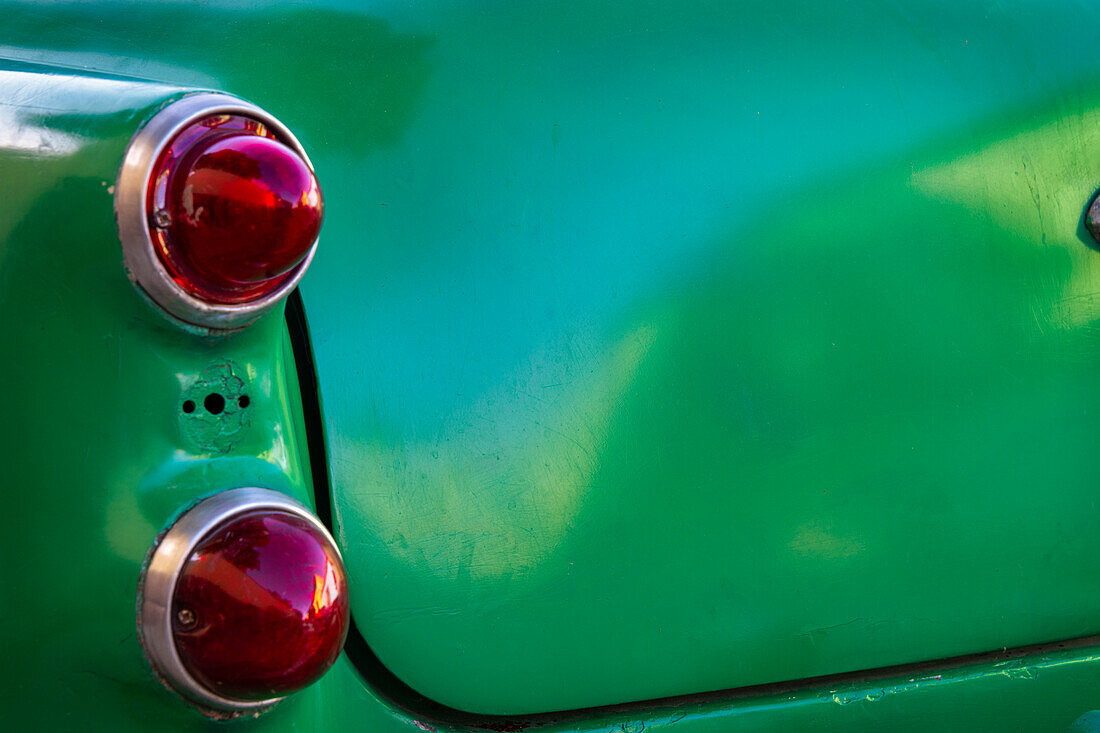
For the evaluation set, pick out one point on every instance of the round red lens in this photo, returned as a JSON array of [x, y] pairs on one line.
[[261, 607], [233, 211]]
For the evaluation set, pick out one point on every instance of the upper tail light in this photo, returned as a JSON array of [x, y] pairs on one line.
[[244, 600], [218, 211]]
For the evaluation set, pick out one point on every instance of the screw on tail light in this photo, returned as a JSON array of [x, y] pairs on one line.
[[218, 211], [244, 600]]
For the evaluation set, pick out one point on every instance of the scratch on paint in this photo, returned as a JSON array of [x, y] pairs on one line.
[[823, 629]]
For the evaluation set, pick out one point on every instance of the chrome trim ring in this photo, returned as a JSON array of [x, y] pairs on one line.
[[157, 586], [142, 264]]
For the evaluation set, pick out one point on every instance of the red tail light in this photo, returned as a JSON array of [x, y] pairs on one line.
[[218, 210], [244, 601], [232, 210]]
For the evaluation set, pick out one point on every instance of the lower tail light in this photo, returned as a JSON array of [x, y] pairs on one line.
[[244, 601]]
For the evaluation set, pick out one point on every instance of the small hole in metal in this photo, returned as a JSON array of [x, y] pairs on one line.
[[243, 401], [189, 406], [214, 403]]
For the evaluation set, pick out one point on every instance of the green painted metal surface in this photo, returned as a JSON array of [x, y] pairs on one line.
[[98, 453], [697, 348], [663, 348]]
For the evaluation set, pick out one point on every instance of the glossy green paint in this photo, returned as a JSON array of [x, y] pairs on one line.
[[704, 348], [663, 348]]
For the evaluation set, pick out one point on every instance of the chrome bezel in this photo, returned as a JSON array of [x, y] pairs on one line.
[[142, 264], [157, 586]]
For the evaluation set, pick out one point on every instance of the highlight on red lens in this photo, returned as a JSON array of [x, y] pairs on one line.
[[233, 212], [261, 606]]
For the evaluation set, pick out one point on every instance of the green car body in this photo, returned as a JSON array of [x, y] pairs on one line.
[[693, 365]]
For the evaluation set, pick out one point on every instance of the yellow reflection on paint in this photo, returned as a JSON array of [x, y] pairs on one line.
[[502, 486], [819, 539], [1035, 185]]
